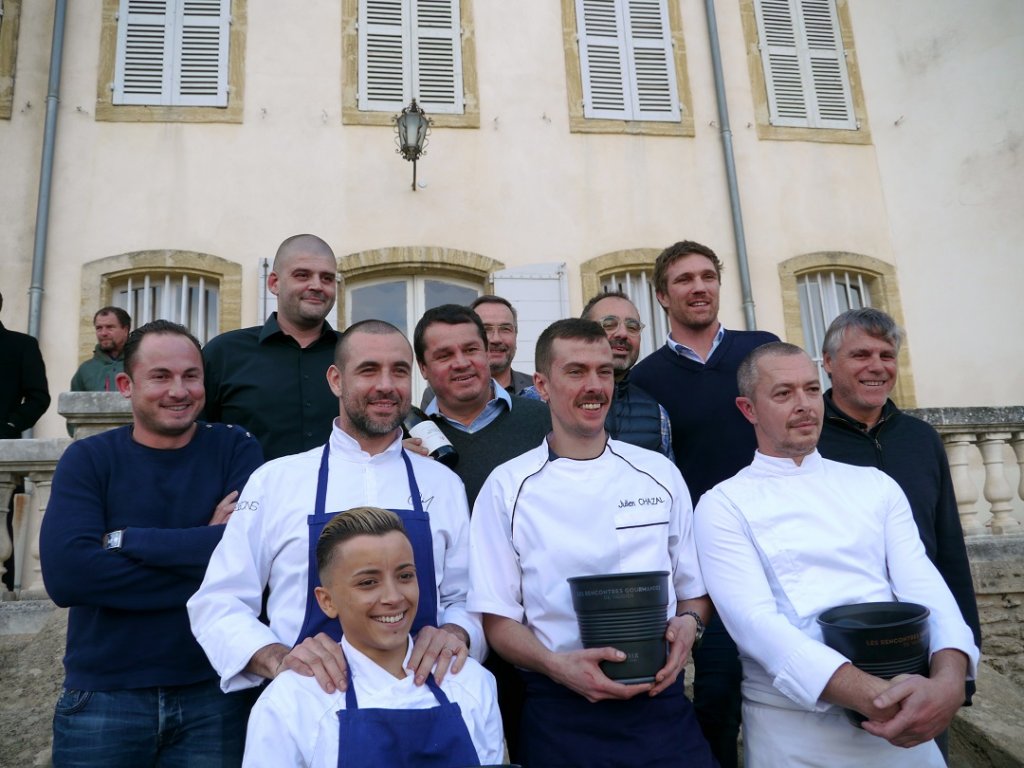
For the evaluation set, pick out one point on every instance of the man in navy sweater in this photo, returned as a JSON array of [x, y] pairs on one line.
[[694, 377], [133, 518]]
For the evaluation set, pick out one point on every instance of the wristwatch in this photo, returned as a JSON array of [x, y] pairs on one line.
[[700, 626], [113, 540]]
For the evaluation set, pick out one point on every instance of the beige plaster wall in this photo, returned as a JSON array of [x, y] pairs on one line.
[[943, 86], [520, 189]]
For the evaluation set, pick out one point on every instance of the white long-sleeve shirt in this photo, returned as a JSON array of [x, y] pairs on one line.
[[780, 543], [295, 724], [537, 522], [266, 543]]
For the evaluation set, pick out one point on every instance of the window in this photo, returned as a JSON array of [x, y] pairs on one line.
[[817, 287], [201, 291], [397, 50], [803, 70], [10, 12], [823, 297], [627, 65], [638, 286], [191, 301], [171, 60]]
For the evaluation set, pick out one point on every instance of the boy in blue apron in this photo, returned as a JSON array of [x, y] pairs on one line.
[[369, 585]]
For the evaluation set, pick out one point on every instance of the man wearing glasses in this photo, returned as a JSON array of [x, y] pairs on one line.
[[634, 417]]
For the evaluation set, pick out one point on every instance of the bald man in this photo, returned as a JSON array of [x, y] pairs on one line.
[[272, 379]]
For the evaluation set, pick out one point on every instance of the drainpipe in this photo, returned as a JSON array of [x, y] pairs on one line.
[[730, 168], [35, 291]]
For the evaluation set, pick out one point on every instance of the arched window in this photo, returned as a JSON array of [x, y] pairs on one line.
[[817, 287], [631, 272], [399, 284], [201, 291], [192, 301]]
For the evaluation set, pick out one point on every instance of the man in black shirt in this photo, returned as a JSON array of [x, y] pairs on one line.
[[24, 397], [272, 379]]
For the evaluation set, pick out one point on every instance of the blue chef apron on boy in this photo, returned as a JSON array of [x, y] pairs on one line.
[[403, 738], [417, 526]]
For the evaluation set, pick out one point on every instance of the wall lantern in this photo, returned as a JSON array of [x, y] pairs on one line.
[[412, 128]]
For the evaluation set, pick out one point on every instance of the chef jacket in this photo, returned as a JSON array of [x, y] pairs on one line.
[[780, 543], [266, 544], [541, 519]]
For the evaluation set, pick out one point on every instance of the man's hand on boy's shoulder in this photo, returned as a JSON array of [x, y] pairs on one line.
[[446, 646]]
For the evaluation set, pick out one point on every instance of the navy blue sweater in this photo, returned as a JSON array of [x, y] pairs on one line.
[[711, 439], [127, 627]]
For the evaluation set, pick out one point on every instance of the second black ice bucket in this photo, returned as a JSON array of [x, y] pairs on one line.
[[626, 611], [884, 639]]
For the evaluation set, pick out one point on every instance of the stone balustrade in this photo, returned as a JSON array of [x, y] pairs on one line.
[[29, 465], [985, 447]]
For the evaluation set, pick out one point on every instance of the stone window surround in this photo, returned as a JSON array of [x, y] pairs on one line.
[[759, 92], [882, 286], [8, 55], [107, 111], [594, 270], [399, 261], [350, 112], [98, 277], [574, 83]]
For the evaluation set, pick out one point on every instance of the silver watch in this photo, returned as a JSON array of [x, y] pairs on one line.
[[113, 540]]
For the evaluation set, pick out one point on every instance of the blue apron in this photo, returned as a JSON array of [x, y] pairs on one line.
[[561, 729], [417, 526], [404, 738]]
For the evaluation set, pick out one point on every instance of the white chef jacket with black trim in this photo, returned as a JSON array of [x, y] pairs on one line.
[[538, 521]]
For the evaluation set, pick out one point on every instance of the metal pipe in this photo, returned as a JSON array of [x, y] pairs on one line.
[[730, 168], [35, 291]]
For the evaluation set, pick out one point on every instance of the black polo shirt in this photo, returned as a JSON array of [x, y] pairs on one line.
[[261, 379]]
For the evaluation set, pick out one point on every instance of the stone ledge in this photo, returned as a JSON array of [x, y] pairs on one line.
[[990, 733], [1008, 417], [24, 617]]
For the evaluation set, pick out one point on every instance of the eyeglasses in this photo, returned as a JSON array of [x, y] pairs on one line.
[[611, 322], [505, 329]]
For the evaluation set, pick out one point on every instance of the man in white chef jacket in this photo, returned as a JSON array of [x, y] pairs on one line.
[[271, 543], [581, 504], [793, 535]]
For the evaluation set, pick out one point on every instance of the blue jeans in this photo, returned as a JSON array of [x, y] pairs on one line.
[[171, 727]]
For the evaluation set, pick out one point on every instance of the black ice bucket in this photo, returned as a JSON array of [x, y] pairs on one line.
[[884, 639], [625, 611]]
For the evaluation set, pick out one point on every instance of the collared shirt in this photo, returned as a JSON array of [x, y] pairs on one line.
[[684, 351], [780, 543], [261, 379], [295, 723], [538, 521], [501, 401], [266, 543]]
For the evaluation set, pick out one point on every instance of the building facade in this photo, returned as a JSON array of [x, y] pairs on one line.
[[877, 151]]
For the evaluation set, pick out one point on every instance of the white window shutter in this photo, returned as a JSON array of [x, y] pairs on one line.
[[385, 65], [172, 52], [144, 52], [603, 59], [652, 72], [437, 56], [200, 76], [540, 294], [804, 65], [833, 103]]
